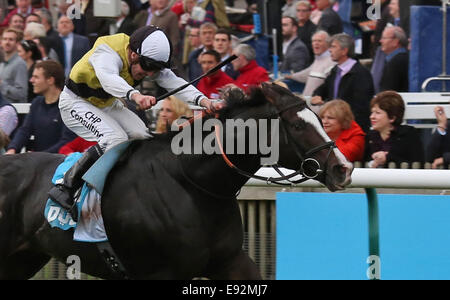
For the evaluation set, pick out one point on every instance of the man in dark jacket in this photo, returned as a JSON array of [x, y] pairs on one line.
[[52, 35], [75, 45], [207, 33], [348, 81], [44, 119], [395, 72], [330, 21], [306, 28], [295, 53]]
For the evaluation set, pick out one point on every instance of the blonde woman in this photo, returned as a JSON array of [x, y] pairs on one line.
[[339, 123], [172, 108]]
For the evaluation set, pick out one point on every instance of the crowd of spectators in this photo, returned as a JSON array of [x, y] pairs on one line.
[[316, 52]]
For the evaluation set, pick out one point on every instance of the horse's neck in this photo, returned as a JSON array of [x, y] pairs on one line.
[[212, 173]]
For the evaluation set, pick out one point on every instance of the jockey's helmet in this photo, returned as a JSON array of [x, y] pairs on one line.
[[153, 47]]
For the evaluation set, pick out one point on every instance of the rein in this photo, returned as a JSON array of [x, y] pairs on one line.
[[277, 180], [330, 145]]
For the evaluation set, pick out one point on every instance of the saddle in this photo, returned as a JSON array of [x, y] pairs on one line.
[[90, 227]]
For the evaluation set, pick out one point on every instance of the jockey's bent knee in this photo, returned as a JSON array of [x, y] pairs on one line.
[[139, 135], [109, 143]]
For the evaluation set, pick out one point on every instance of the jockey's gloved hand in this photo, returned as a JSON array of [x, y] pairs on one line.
[[143, 101]]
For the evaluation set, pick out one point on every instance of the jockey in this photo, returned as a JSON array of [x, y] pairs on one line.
[[89, 104]]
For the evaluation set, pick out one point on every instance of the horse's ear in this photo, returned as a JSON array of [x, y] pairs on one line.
[[268, 91]]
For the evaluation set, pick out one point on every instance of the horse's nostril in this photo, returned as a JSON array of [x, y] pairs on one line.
[[340, 171]]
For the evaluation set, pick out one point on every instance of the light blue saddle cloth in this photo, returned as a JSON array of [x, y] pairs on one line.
[[91, 230]]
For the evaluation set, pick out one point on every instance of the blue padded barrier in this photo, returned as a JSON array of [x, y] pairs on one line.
[[325, 236], [426, 47]]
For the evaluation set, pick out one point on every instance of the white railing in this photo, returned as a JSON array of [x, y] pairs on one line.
[[22, 108], [375, 178]]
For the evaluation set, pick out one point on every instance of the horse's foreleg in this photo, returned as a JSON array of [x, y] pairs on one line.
[[242, 267]]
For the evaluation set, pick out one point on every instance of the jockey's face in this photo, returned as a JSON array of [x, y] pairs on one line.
[[136, 70]]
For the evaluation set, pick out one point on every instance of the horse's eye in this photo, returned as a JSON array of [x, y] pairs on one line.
[[299, 125]]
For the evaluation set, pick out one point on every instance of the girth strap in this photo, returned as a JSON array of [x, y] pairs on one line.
[[112, 260]]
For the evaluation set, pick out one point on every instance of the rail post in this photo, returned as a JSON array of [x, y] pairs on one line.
[[374, 233]]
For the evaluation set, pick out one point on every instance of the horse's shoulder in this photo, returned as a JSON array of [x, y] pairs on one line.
[[22, 166], [25, 179]]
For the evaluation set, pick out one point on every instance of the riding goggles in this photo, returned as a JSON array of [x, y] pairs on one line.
[[151, 65]]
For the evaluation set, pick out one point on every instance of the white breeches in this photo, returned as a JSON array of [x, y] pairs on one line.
[[108, 126]]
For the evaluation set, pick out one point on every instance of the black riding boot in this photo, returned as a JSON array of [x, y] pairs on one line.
[[63, 193]]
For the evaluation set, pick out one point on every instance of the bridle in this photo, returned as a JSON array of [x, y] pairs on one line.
[[305, 159]]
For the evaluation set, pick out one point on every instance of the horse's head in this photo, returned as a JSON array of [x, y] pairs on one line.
[[303, 143]]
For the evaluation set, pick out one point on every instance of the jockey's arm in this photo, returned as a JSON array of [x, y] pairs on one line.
[[107, 65], [168, 80]]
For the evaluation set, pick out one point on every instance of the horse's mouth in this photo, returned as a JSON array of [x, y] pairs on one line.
[[337, 187], [340, 187], [345, 179]]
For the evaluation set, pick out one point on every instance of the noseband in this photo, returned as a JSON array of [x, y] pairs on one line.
[[305, 159]]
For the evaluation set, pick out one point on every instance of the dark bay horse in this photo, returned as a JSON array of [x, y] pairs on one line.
[[167, 216]]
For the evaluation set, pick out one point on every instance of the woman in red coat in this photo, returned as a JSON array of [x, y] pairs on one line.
[[339, 123]]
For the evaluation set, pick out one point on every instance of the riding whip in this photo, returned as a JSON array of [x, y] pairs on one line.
[[217, 67]]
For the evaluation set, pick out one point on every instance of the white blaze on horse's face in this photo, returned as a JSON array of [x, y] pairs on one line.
[[309, 117]]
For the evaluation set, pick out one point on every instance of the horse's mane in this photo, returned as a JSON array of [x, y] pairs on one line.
[[237, 102]]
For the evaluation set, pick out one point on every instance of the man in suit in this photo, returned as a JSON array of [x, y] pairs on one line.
[[53, 37], [207, 33], [395, 72], [348, 81], [123, 23], [295, 53], [75, 46], [222, 44], [145, 15], [330, 21]]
